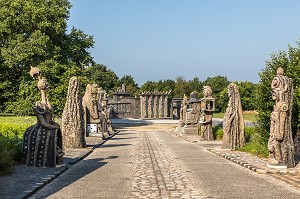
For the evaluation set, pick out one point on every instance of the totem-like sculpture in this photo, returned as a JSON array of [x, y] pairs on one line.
[[193, 111], [105, 124], [233, 123], [91, 113], [206, 115], [42, 144], [73, 130], [183, 109], [280, 145]]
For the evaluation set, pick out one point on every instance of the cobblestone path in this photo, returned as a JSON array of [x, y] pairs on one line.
[[157, 175]]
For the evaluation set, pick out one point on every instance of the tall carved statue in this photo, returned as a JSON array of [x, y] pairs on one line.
[[280, 145], [73, 130], [183, 110], [103, 112], [90, 107], [233, 123], [193, 111], [42, 144], [207, 108]]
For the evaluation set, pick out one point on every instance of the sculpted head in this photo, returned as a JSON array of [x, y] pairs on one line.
[[207, 92], [280, 71], [232, 88], [43, 84]]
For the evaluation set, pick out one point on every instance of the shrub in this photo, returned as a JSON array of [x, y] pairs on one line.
[[254, 142], [218, 132]]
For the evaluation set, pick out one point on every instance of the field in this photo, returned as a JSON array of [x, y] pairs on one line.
[[11, 135], [248, 115]]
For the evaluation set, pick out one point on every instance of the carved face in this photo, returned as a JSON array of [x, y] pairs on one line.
[[207, 92], [43, 84], [275, 88]]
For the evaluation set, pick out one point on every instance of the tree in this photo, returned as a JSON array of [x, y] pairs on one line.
[[102, 76], [131, 85], [248, 95], [33, 33], [182, 87], [196, 85], [289, 61], [148, 86]]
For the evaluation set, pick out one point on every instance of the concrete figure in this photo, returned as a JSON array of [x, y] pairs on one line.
[[42, 143], [233, 123], [207, 107], [280, 145], [73, 130], [183, 110], [90, 107]]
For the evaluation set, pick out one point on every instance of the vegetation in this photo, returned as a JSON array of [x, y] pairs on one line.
[[11, 135], [33, 33], [252, 137], [290, 62]]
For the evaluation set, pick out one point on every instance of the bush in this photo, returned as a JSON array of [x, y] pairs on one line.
[[10, 152], [254, 142], [218, 132]]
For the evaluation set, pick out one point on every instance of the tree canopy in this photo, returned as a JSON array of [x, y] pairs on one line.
[[33, 33]]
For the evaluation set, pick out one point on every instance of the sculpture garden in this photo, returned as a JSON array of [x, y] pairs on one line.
[[70, 127]]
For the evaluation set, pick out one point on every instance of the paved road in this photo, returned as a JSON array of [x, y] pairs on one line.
[[156, 164]]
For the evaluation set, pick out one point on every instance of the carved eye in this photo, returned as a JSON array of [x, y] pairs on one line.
[[275, 83], [284, 107]]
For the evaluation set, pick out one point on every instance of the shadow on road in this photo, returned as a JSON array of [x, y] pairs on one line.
[[84, 168]]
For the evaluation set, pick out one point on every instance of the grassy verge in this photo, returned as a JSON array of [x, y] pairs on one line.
[[249, 116], [11, 136], [253, 143]]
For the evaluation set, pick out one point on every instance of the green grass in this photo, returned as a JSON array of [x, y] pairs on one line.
[[247, 116], [253, 143], [12, 129]]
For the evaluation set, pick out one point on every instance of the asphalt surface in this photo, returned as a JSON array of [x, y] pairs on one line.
[[153, 163]]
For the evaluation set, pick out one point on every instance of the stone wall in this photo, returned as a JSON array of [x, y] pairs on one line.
[[155, 105]]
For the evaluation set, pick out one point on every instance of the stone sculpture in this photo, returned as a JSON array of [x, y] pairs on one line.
[[73, 130], [280, 145], [154, 104], [90, 107], [183, 110], [193, 111], [233, 123], [42, 144], [207, 108], [105, 124]]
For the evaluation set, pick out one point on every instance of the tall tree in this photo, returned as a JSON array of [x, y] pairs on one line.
[[182, 87], [33, 33], [104, 77]]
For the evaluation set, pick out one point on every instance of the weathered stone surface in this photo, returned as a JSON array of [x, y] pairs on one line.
[[90, 107], [42, 143], [206, 115], [233, 123], [73, 130], [183, 110], [154, 104], [280, 145]]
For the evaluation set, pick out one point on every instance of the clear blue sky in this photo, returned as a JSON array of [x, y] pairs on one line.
[[163, 39]]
